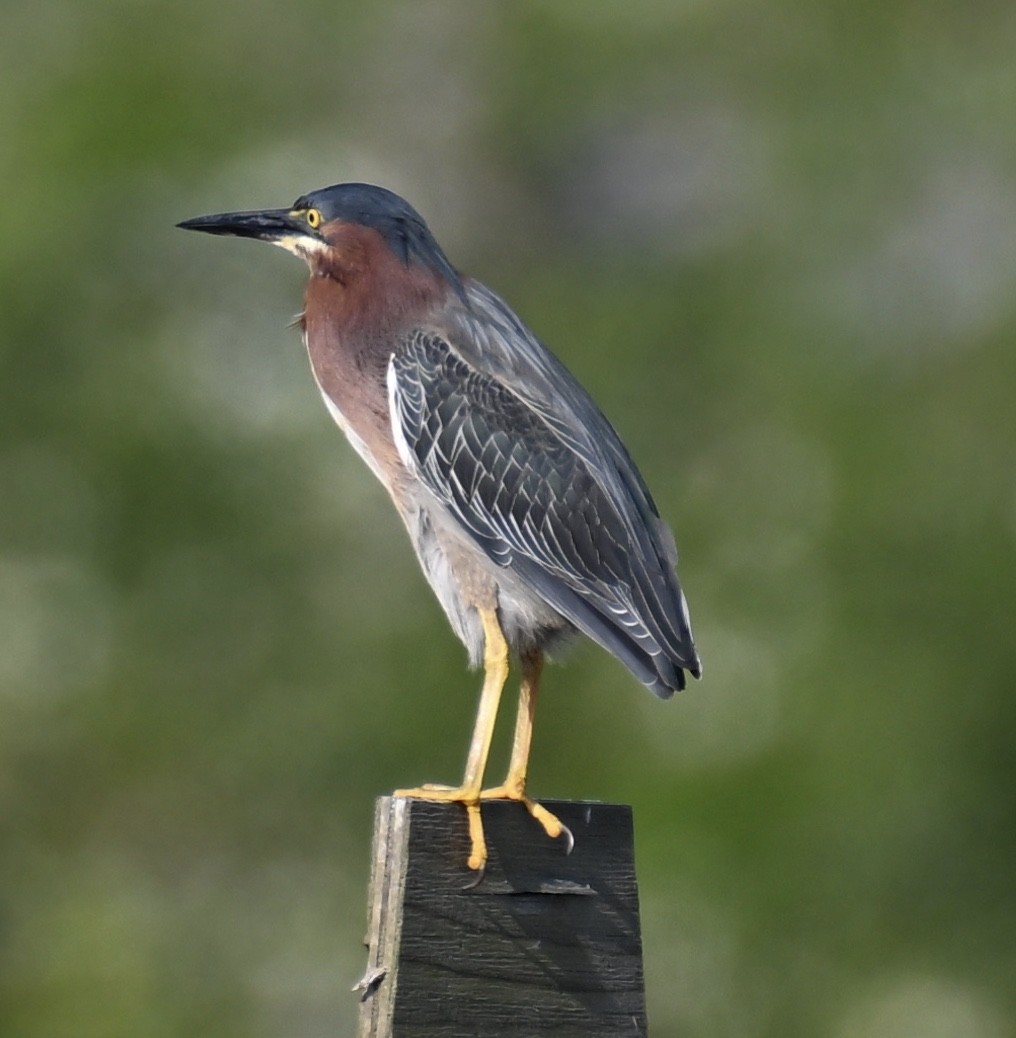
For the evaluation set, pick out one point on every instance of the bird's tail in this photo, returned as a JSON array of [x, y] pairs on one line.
[[660, 667]]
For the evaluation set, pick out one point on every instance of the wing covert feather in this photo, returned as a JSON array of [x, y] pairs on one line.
[[530, 498]]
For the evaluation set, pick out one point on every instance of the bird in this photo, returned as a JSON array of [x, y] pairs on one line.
[[527, 514]]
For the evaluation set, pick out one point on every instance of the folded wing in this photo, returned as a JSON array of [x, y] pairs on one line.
[[544, 491]]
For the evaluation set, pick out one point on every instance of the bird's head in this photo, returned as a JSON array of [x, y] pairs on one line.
[[337, 229]]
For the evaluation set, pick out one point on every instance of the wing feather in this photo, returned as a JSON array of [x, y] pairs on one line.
[[547, 490]]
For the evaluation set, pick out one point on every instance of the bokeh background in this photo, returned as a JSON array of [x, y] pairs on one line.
[[777, 241]]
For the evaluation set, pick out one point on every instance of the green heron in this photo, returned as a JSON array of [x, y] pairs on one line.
[[527, 514]]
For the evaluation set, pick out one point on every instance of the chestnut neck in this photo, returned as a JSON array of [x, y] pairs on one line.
[[361, 290]]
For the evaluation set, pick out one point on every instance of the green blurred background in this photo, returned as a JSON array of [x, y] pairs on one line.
[[777, 241]]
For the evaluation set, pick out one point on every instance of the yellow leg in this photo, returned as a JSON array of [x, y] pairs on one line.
[[514, 785], [495, 668]]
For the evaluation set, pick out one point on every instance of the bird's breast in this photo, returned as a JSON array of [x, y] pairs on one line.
[[357, 400], [358, 443]]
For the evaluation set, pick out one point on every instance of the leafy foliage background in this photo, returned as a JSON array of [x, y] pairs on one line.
[[776, 241]]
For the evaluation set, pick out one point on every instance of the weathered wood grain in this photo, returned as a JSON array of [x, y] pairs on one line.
[[545, 944]]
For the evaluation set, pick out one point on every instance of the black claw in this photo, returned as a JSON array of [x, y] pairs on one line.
[[567, 834], [480, 873]]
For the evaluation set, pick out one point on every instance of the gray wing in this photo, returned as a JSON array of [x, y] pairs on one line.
[[556, 499]]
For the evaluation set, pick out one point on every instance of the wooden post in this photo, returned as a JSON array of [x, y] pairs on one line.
[[545, 944]]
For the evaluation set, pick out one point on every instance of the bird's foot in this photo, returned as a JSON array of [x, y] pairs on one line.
[[470, 799], [552, 825]]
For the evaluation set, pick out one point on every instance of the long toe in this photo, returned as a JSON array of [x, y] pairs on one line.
[[552, 825], [470, 799], [477, 843], [432, 791]]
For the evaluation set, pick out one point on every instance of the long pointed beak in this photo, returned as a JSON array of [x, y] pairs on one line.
[[266, 225]]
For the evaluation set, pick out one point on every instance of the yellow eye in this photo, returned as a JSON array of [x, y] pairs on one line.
[[313, 218]]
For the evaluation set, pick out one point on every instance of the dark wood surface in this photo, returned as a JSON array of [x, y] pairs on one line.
[[545, 944]]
